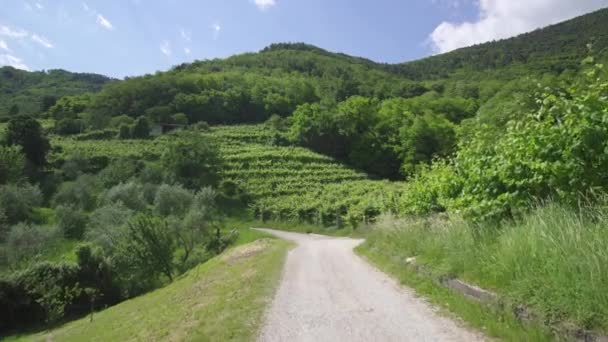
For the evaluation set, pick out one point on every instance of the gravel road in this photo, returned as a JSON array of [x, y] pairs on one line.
[[328, 293]]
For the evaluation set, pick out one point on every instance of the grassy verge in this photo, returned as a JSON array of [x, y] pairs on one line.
[[222, 299], [554, 261], [492, 321]]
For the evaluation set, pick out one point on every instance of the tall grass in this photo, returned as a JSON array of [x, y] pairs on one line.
[[554, 260]]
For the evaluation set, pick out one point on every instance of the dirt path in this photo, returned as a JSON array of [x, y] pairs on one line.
[[330, 294]]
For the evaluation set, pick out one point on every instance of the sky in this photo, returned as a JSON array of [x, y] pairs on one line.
[[122, 38]]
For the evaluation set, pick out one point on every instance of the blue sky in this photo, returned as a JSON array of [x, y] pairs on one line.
[[133, 37]]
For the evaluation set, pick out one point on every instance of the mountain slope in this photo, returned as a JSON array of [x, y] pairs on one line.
[[550, 49], [28, 89]]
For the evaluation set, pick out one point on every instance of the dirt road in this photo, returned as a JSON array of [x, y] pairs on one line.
[[330, 294]]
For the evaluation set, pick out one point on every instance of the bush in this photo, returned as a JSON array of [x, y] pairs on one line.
[[152, 174], [119, 171], [141, 128], [124, 132], [192, 161], [172, 200], [130, 194], [18, 201], [106, 224], [149, 192], [24, 242], [72, 222], [147, 247], [74, 167], [4, 226], [81, 193], [69, 126], [12, 164]]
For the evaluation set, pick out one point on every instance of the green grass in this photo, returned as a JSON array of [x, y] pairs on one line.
[[493, 321], [220, 300], [554, 261]]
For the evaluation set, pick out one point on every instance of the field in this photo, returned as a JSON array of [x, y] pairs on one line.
[[210, 302], [281, 182]]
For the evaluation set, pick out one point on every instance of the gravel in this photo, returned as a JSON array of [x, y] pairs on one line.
[[328, 293]]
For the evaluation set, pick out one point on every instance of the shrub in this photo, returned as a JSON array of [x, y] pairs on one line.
[[129, 194], [69, 126], [18, 201], [192, 160], [12, 164], [74, 167], [72, 222], [81, 193], [24, 242], [172, 200], [119, 171], [4, 226], [149, 192], [151, 173], [106, 223], [147, 246], [124, 132], [140, 129]]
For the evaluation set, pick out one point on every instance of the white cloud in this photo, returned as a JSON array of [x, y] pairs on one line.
[[186, 34], [15, 62], [103, 22], [86, 7], [187, 51], [4, 46], [12, 33], [39, 6], [216, 30], [42, 41], [264, 4], [500, 19], [165, 48]]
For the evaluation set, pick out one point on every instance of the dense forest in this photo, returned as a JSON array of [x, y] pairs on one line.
[[294, 132], [32, 93]]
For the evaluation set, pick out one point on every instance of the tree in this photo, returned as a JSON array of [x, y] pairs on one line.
[[26, 132], [13, 110], [150, 245], [141, 128], [47, 102], [12, 163], [192, 161]]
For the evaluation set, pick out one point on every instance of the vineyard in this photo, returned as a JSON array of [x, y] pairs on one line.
[[279, 182]]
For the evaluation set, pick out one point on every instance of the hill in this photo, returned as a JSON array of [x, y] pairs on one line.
[[209, 303], [34, 92], [551, 49], [276, 182]]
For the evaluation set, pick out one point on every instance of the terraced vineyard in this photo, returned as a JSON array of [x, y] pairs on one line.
[[281, 182], [293, 183]]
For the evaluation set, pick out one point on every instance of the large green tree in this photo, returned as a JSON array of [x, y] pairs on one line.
[[26, 132]]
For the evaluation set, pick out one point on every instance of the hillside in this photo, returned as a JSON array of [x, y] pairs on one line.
[[208, 303], [551, 49], [276, 182], [28, 90]]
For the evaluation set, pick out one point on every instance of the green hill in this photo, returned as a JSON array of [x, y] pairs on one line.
[[32, 91], [209, 303]]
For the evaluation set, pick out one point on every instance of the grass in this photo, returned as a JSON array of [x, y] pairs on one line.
[[222, 299], [554, 261], [492, 321]]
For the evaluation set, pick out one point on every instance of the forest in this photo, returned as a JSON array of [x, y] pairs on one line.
[[468, 146]]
